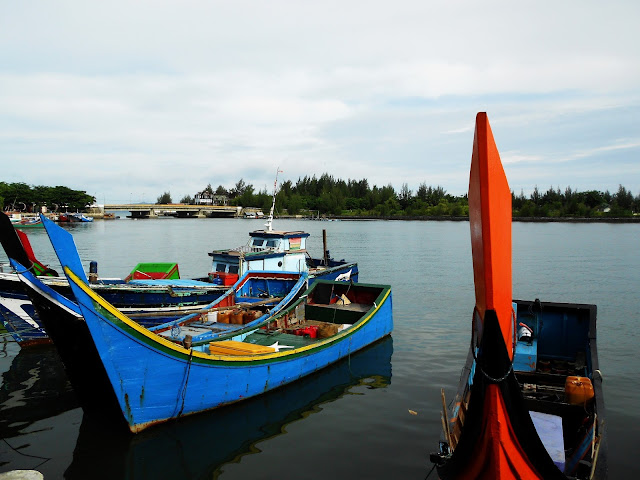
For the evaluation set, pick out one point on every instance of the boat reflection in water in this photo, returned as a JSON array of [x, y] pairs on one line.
[[200, 445], [34, 388]]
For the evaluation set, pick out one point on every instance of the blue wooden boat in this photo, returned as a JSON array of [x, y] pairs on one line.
[[155, 379], [231, 432], [80, 217], [270, 249], [256, 296], [529, 403]]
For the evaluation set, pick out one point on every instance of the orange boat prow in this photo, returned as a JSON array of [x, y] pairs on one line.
[[490, 221], [500, 454], [497, 440]]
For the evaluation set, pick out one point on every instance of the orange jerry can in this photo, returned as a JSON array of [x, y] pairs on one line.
[[236, 317], [223, 317], [578, 390], [250, 315]]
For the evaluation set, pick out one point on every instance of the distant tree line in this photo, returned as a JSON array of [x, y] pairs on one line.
[[27, 198], [327, 195]]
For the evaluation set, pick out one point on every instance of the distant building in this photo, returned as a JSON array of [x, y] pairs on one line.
[[206, 198]]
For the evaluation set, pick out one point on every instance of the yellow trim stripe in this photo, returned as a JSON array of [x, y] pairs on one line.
[[231, 358]]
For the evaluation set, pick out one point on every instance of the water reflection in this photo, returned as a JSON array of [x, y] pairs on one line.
[[34, 387], [198, 446]]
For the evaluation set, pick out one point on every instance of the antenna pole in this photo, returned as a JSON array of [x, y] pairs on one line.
[[273, 203]]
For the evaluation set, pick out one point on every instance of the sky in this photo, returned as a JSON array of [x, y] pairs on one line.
[[127, 100]]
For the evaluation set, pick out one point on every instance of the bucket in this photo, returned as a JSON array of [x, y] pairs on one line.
[[578, 390]]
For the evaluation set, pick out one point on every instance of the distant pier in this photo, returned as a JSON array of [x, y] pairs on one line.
[[154, 210]]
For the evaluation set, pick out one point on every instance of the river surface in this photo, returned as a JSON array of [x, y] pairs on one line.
[[375, 416]]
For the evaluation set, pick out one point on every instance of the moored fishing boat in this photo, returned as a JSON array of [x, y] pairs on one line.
[[154, 288], [257, 295], [270, 249], [20, 221], [66, 327], [155, 379], [79, 218], [529, 403]]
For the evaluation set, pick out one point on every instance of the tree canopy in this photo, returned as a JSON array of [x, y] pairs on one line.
[[326, 195], [20, 196]]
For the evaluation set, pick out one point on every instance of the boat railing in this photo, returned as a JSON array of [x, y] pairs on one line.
[[253, 249]]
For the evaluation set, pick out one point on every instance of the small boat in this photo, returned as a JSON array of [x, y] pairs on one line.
[[269, 249], [529, 402], [156, 379], [80, 217], [65, 326], [19, 221]]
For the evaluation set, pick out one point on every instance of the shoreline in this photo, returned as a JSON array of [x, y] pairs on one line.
[[466, 219]]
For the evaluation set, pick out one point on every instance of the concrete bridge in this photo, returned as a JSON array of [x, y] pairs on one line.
[[152, 210]]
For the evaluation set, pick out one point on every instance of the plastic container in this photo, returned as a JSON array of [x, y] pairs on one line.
[[578, 390], [250, 315], [311, 331], [223, 316], [212, 317], [236, 317]]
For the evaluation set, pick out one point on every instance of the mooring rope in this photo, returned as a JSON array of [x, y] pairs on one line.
[[183, 393]]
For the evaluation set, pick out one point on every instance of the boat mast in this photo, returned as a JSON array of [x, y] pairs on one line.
[[273, 203]]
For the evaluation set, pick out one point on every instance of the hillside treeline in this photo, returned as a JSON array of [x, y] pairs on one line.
[[26, 198], [327, 195]]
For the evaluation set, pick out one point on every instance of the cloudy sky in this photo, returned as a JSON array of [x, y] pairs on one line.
[[129, 99]]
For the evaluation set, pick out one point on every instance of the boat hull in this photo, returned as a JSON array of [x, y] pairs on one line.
[[27, 326], [155, 380], [564, 331], [67, 328]]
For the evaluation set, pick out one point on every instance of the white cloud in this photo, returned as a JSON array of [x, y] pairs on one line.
[[212, 91]]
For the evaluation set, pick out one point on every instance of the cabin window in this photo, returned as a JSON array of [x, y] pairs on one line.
[[258, 242], [272, 243], [220, 267], [233, 269]]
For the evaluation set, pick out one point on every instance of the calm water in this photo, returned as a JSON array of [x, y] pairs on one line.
[[353, 420]]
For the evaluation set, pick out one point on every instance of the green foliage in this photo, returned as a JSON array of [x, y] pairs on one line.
[[25, 197], [187, 199], [327, 195], [164, 199]]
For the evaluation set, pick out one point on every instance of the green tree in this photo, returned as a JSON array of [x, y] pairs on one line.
[[164, 198]]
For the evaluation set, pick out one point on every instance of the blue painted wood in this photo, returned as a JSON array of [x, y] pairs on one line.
[[285, 285], [154, 384], [64, 247]]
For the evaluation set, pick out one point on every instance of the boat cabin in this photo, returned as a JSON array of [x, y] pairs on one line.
[[266, 250]]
